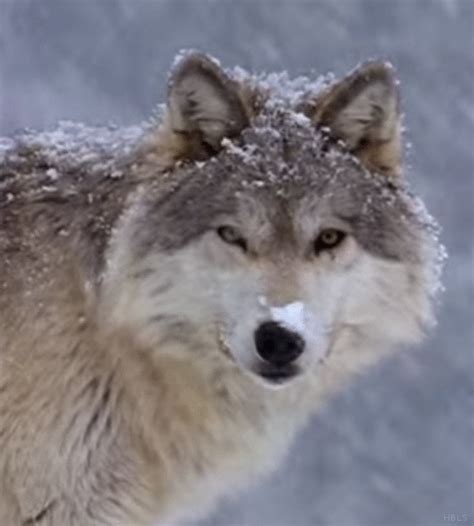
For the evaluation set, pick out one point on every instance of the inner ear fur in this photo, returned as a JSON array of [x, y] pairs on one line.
[[363, 110], [204, 106]]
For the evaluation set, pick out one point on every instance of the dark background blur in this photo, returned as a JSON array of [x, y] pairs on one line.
[[396, 448]]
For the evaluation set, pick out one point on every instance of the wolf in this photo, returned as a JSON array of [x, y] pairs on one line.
[[178, 298]]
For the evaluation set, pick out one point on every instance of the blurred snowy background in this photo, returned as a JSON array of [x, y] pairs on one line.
[[397, 448]]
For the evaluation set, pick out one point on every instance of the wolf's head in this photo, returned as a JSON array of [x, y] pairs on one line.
[[281, 235]]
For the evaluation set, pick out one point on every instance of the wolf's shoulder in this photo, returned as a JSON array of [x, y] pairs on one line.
[[61, 164]]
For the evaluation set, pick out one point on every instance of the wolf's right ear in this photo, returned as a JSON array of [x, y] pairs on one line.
[[204, 105]]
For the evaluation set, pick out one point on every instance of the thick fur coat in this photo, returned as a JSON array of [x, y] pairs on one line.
[[138, 267]]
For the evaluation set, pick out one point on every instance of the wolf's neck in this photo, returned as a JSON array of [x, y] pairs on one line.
[[196, 431]]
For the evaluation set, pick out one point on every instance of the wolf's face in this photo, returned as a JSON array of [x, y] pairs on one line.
[[281, 246]]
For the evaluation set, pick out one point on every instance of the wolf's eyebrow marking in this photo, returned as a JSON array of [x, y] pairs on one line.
[[350, 219]]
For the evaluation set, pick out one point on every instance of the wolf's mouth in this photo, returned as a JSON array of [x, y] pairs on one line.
[[278, 375]]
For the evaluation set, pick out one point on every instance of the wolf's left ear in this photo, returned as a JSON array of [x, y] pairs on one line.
[[363, 110], [204, 104]]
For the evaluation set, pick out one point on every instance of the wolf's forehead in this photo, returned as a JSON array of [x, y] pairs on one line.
[[279, 150], [282, 159], [281, 155], [277, 128], [280, 171]]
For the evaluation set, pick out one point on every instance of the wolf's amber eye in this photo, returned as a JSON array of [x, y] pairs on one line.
[[328, 239], [231, 235]]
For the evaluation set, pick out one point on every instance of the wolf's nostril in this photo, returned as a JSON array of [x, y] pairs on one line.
[[277, 345]]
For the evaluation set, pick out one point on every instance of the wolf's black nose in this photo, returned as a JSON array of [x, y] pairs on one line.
[[277, 345]]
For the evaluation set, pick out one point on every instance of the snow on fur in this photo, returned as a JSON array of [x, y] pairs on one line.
[[291, 316], [100, 150]]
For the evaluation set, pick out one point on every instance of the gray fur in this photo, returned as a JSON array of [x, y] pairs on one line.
[[128, 373]]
